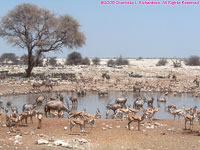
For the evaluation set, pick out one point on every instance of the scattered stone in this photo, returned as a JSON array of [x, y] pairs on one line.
[[17, 142], [4, 126], [65, 128], [81, 141], [147, 127], [41, 135], [26, 133], [1, 147], [103, 128], [107, 126], [152, 126], [32, 133], [172, 129], [63, 144], [118, 127], [143, 131], [42, 141], [110, 127], [18, 137], [51, 139], [58, 142], [157, 124], [103, 123], [164, 125]]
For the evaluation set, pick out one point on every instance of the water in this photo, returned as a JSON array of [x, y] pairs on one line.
[[92, 101]]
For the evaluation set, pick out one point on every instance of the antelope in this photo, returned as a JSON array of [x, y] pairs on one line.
[[139, 102], [133, 118], [90, 119], [39, 116], [178, 112], [77, 122], [12, 120], [190, 118], [133, 110], [163, 99], [74, 100], [31, 113], [14, 109], [77, 114], [1, 111], [171, 106], [121, 111], [113, 107], [150, 113], [9, 103], [23, 118], [121, 100], [56, 113]]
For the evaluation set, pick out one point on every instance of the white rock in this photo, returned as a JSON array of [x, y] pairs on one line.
[[18, 137], [32, 133], [42, 141], [118, 127], [4, 126], [58, 142], [65, 128], [157, 124], [152, 126]]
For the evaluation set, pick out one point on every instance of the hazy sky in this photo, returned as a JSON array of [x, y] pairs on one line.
[[127, 30]]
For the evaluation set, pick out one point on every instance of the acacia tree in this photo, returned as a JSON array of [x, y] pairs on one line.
[[52, 61], [9, 57], [39, 31], [96, 61], [24, 59], [74, 58]]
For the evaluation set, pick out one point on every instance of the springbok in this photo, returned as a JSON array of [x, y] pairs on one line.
[[133, 118]]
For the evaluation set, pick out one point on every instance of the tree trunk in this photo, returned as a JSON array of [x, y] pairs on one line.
[[29, 70], [30, 64]]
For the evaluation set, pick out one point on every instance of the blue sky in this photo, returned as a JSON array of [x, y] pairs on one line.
[[127, 30]]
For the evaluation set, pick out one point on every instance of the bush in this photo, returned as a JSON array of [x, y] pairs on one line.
[[193, 61], [96, 61], [74, 58], [121, 61], [24, 59], [110, 63], [162, 62], [52, 61], [86, 61], [9, 58]]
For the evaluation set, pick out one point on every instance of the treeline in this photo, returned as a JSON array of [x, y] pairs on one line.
[[76, 58]]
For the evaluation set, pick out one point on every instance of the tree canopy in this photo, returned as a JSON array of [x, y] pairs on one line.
[[38, 31], [6, 57]]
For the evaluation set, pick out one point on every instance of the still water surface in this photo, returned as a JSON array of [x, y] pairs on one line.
[[92, 101]]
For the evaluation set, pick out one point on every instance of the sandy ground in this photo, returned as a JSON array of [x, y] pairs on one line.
[[108, 135]]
